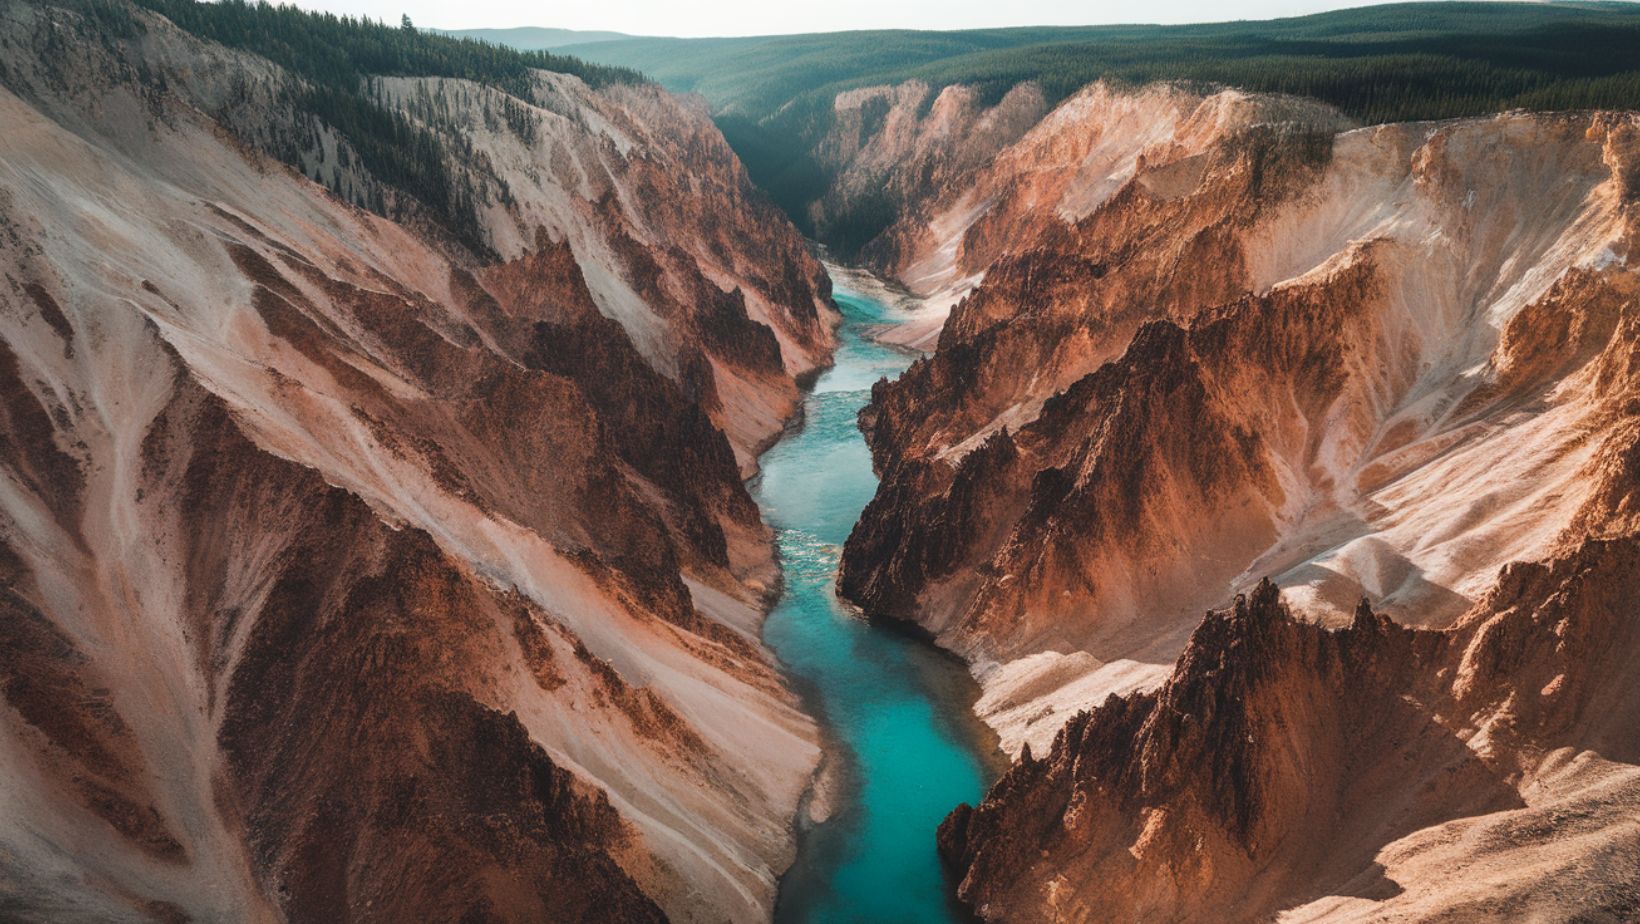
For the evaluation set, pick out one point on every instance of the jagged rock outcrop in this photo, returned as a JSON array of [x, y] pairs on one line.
[[351, 569], [1212, 338], [1367, 772], [709, 281], [1380, 364]]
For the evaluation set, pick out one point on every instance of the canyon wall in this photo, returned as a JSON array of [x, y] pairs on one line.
[[964, 184], [1370, 772], [1214, 339], [891, 150], [352, 570]]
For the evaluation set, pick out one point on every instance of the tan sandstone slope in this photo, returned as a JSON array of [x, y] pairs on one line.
[[1385, 363], [346, 572], [967, 183]]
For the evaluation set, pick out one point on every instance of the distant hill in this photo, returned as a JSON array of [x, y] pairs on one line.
[[537, 38], [1379, 63]]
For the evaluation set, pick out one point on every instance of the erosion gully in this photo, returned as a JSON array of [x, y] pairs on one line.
[[903, 746]]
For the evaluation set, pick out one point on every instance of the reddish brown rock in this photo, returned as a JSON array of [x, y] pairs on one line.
[[1285, 767], [1215, 341], [1379, 364], [354, 571]]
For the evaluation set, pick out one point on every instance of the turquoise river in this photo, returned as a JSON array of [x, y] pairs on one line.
[[903, 747]]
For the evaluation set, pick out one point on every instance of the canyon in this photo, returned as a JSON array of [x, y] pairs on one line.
[[506, 521], [1191, 343]]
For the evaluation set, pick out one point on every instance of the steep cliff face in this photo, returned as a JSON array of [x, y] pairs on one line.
[[1061, 170], [348, 571], [891, 150], [1213, 339], [708, 280], [1368, 772], [1365, 365], [935, 188]]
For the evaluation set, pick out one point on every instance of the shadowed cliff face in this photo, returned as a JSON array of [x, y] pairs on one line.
[[348, 575], [354, 764], [890, 150]]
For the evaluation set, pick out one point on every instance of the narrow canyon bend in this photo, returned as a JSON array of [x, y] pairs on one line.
[[437, 483]]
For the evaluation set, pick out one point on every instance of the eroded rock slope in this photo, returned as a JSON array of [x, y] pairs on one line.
[[1219, 340], [1369, 772], [349, 570]]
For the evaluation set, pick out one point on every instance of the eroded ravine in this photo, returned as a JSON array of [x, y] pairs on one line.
[[905, 749]]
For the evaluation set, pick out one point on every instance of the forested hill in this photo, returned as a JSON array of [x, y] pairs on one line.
[[1382, 63], [340, 51], [536, 38], [335, 62]]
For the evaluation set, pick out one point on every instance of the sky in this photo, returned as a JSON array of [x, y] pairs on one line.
[[767, 17]]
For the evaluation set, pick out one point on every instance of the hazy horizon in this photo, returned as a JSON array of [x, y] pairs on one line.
[[749, 17]]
